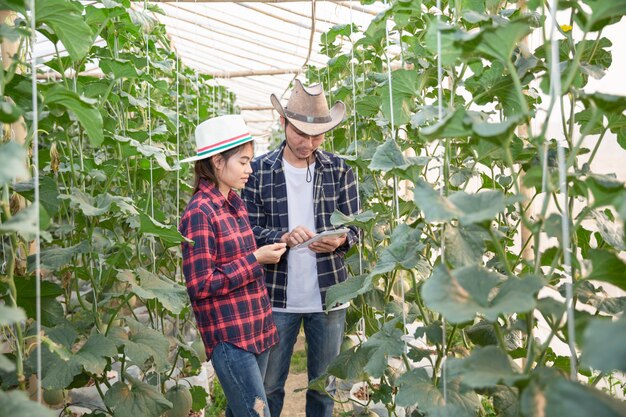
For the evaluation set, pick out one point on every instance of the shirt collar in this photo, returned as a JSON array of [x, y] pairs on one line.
[[275, 158], [216, 197]]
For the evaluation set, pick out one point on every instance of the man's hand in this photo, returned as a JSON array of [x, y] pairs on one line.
[[297, 235], [328, 244]]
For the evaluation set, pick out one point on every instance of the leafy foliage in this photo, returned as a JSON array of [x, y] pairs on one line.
[[453, 259]]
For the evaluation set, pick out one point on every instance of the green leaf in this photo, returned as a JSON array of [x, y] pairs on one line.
[[465, 245], [416, 388], [363, 219], [199, 395], [499, 133], [348, 289], [9, 112], [23, 222], [170, 234], [468, 208], [604, 346], [88, 116], [388, 156], [17, 404], [479, 207], [65, 19], [350, 364], [436, 208], [368, 106], [10, 315], [607, 267], [380, 348], [136, 399], [496, 41], [552, 394], [450, 51], [6, 365], [608, 103], [402, 96], [606, 189], [485, 367], [142, 343], [12, 162], [170, 294], [461, 294], [120, 68], [94, 353], [48, 193], [604, 13], [453, 125], [403, 251], [56, 258], [59, 368], [52, 312]]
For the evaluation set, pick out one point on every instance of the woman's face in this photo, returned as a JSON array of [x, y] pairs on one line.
[[234, 171]]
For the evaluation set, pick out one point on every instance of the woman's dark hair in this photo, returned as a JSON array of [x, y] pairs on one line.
[[205, 170]]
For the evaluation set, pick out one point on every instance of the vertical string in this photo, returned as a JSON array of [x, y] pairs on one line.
[[35, 104], [396, 201], [330, 93], [152, 243], [442, 185], [361, 324], [555, 101], [198, 99], [355, 138]]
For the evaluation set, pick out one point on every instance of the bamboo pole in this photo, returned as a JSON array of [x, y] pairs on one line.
[[288, 10], [230, 35], [256, 108], [250, 73], [229, 1], [356, 7], [274, 16], [230, 51], [271, 33]]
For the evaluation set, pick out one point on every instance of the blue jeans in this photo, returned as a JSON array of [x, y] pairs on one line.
[[241, 375], [324, 334]]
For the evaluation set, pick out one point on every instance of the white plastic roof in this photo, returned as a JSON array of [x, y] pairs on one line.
[[256, 48], [253, 48]]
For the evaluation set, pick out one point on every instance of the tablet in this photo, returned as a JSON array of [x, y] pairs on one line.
[[327, 233]]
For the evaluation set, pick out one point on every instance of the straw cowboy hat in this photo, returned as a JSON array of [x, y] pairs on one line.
[[219, 134], [308, 110]]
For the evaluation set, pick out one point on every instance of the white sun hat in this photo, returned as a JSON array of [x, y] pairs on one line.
[[219, 134]]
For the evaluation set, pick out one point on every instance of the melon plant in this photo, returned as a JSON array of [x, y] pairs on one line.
[[198, 347], [181, 400], [53, 396]]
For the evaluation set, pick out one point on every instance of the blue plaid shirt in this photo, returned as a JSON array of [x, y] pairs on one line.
[[265, 194]]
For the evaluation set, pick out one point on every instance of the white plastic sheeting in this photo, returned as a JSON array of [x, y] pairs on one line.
[[253, 48]]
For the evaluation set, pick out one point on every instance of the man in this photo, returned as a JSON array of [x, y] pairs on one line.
[[290, 196]]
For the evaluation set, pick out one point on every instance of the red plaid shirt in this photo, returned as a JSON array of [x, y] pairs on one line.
[[225, 282]]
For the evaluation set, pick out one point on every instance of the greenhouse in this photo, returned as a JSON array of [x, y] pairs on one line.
[[459, 171]]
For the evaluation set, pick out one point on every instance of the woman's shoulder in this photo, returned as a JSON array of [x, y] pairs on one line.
[[200, 203]]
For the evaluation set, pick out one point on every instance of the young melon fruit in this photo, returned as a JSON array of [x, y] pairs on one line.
[[181, 399], [198, 347], [347, 344], [53, 396]]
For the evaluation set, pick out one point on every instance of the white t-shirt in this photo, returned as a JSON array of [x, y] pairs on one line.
[[303, 290]]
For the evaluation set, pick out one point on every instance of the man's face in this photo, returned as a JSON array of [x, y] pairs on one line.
[[301, 144]]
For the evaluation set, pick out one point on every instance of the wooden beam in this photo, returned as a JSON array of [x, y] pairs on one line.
[[249, 73], [282, 19], [229, 1], [256, 108]]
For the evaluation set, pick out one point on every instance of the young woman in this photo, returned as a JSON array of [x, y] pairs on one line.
[[223, 267]]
